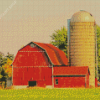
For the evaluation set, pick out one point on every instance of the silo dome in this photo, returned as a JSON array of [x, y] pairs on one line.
[[82, 16]]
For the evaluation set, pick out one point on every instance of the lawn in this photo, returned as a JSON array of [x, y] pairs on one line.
[[50, 94]]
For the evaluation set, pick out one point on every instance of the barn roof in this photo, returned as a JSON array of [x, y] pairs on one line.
[[56, 56], [72, 70]]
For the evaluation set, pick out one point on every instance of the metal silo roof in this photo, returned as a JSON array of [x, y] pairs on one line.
[[82, 16]]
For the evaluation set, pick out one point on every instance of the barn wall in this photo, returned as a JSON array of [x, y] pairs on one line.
[[32, 64], [69, 82], [29, 56], [42, 75], [96, 82], [87, 80]]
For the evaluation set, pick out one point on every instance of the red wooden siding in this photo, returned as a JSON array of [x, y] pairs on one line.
[[33, 57], [96, 82], [42, 75], [69, 82], [35, 64], [71, 76], [32, 64]]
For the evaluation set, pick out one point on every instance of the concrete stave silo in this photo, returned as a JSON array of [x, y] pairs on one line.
[[82, 42]]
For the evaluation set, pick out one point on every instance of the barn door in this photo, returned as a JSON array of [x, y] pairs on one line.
[[32, 83]]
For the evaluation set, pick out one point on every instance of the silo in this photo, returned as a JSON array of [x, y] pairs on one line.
[[82, 42]]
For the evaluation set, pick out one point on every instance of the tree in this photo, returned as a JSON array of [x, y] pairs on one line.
[[59, 39], [8, 68], [2, 62], [0, 72], [98, 48], [5, 66], [5, 61], [10, 56], [2, 59]]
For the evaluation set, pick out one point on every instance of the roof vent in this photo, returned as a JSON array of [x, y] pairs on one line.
[[32, 45]]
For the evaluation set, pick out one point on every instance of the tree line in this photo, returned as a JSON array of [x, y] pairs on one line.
[[5, 67]]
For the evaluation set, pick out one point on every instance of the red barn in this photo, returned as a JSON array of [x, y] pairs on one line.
[[34, 62], [41, 64], [71, 76]]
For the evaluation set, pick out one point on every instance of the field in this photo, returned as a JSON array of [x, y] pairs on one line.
[[50, 94]]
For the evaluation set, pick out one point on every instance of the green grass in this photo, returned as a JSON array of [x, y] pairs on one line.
[[50, 94]]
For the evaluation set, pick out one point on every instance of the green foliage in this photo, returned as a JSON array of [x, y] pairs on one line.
[[2, 59], [59, 39], [2, 62], [98, 47], [1, 76], [5, 66], [10, 56], [8, 68]]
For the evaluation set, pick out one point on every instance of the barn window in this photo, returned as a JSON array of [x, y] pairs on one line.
[[32, 45], [56, 81]]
